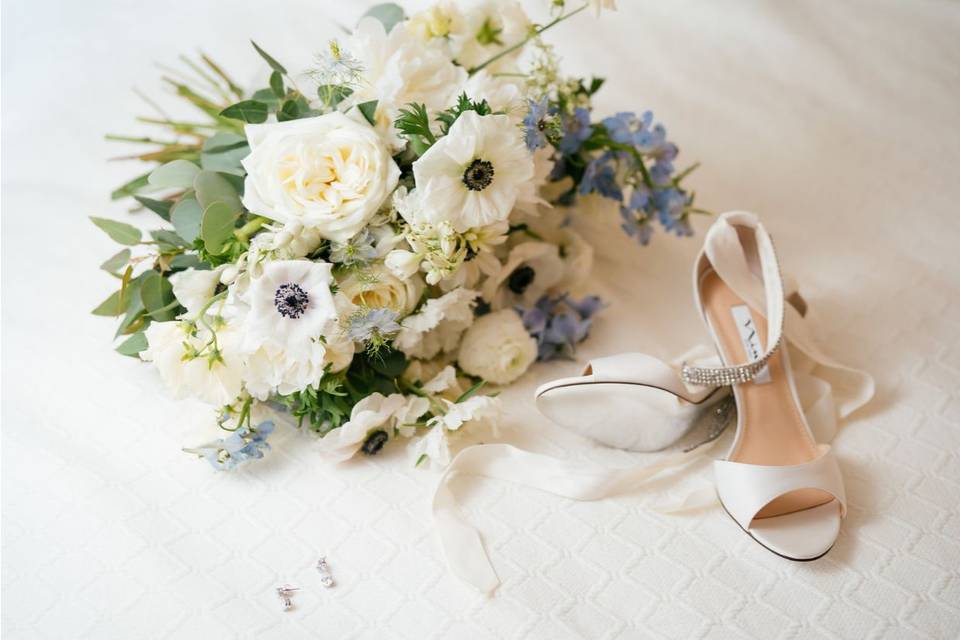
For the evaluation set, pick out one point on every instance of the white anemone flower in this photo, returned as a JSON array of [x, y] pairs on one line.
[[288, 304], [374, 413], [531, 270], [473, 176]]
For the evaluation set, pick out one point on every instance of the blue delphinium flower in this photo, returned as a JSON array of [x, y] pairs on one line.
[[601, 176], [372, 325], [559, 324], [356, 250], [576, 129], [535, 124], [670, 205], [246, 443]]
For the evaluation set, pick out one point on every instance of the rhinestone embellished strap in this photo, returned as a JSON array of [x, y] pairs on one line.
[[725, 376]]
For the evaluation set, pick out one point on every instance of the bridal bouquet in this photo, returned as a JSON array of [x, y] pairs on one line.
[[364, 246]]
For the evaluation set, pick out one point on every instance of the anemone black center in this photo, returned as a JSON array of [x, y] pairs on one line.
[[291, 300], [478, 175], [521, 278], [374, 442]]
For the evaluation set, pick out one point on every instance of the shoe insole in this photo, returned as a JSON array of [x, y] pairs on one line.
[[772, 429]]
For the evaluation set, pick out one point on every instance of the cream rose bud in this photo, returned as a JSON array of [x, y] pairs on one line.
[[377, 287], [328, 173], [497, 348]]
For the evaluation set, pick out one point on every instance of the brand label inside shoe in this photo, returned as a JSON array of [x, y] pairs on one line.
[[750, 338]]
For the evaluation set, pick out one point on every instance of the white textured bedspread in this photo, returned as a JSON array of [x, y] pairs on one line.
[[838, 123]]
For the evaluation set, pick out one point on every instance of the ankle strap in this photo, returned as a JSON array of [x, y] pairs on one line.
[[725, 251]]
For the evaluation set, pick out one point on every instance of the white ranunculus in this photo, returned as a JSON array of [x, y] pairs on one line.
[[399, 68], [531, 270], [329, 173], [214, 382], [193, 288], [492, 26], [437, 327], [376, 286], [473, 176], [289, 304], [497, 347], [443, 25]]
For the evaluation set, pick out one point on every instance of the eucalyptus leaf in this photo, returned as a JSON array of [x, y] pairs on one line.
[[133, 345], [176, 174], [252, 111], [266, 96], [369, 110], [276, 66], [119, 231], [159, 207], [131, 187], [134, 305], [290, 110], [211, 187], [223, 152], [116, 262], [169, 238], [389, 362], [186, 216], [389, 14], [217, 227], [183, 261], [156, 294], [112, 306], [276, 84]]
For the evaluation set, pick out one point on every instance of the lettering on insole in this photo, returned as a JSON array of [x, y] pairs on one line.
[[750, 338]]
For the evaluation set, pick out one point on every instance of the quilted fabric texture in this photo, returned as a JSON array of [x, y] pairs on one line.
[[836, 122]]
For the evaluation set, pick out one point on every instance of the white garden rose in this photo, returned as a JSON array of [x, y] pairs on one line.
[[497, 348], [328, 173], [376, 286]]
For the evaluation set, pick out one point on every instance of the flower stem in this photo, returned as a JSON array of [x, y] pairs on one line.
[[530, 37], [243, 233]]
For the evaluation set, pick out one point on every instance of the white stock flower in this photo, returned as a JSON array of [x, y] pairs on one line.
[[375, 412], [193, 288], [497, 347], [170, 345], [437, 327], [272, 369], [493, 26], [398, 68], [288, 304], [531, 270], [376, 286], [329, 173], [473, 176]]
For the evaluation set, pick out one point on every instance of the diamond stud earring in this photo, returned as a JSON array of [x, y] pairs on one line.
[[326, 578], [284, 593]]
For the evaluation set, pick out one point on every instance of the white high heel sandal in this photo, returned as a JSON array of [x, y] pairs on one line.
[[776, 482]]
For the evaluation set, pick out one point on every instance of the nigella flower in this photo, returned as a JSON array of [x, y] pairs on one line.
[[600, 176], [576, 130], [373, 326], [357, 250], [536, 123], [246, 443]]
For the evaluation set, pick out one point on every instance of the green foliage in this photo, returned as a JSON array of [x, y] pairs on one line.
[[276, 66], [252, 111], [211, 187], [276, 84], [186, 216], [116, 262], [177, 174], [223, 152], [159, 207], [333, 94], [289, 110], [168, 241], [131, 187], [413, 123], [369, 111], [216, 227], [133, 345], [112, 306], [156, 294], [389, 14], [183, 261], [464, 103], [120, 232]]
